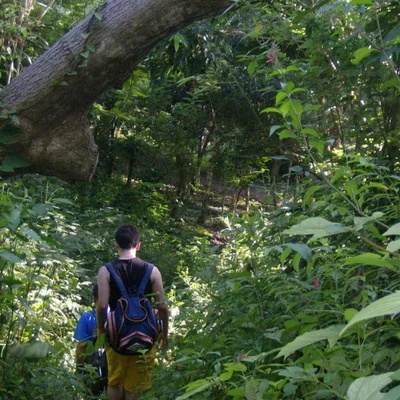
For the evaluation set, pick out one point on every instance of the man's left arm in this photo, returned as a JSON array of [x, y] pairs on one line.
[[81, 334], [103, 280]]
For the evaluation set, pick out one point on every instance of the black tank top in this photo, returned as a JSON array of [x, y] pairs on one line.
[[131, 273]]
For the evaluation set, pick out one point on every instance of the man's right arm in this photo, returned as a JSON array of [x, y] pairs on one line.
[[103, 280], [162, 306]]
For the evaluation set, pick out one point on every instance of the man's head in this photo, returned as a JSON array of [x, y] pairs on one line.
[[127, 237]]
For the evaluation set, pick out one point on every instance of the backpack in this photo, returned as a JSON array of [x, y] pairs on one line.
[[98, 360], [132, 327]]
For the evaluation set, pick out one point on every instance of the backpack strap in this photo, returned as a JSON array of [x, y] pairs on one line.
[[121, 286], [145, 279], [117, 279]]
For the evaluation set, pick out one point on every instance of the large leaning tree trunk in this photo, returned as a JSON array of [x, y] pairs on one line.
[[52, 96]]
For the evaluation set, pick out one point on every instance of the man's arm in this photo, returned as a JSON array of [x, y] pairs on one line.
[[82, 334], [162, 306], [103, 280], [80, 353]]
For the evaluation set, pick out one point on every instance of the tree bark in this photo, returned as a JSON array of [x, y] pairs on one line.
[[51, 97]]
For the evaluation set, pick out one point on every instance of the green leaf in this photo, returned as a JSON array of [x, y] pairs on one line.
[[12, 161], [271, 109], [184, 80], [195, 387], [225, 376], [385, 306], [318, 144], [85, 54], [360, 54], [331, 334], [280, 97], [302, 249], [317, 226], [310, 132], [237, 393], [392, 394], [292, 107], [359, 222], [235, 367], [362, 2], [369, 388], [349, 313], [287, 86], [369, 259], [309, 194], [394, 82], [342, 172], [393, 34], [59, 200], [11, 282], [273, 129], [30, 351], [42, 208], [11, 257], [98, 15], [251, 390], [393, 246], [31, 233], [252, 67], [8, 139], [14, 219], [393, 230], [286, 134]]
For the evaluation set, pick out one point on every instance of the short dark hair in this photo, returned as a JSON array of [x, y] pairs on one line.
[[96, 291], [127, 236]]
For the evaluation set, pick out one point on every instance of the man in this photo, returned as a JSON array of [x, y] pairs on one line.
[[86, 335], [129, 375]]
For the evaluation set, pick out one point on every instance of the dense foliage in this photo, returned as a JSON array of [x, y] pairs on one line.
[[290, 297]]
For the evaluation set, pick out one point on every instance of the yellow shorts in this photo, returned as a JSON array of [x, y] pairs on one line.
[[132, 372]]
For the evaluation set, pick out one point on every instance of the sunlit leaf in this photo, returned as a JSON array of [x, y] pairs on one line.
[[392, 394], [369, 259], [195, 387], [31, 233], [235, 367], [369, 388], [303, 249], [362, 2], [393, 246], [393, 230], [385, 306], [349, 313], [317, 226], [360, 54], [271, 109], [280, 97], [308, 338], [11, 257], [309, 194]]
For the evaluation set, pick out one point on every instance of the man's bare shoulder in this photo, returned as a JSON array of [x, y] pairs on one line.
[[103, 272]]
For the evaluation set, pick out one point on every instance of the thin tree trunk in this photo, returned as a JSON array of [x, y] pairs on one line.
[[248, 199]]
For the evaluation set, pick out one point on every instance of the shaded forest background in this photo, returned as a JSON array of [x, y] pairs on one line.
[[258, 153]]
